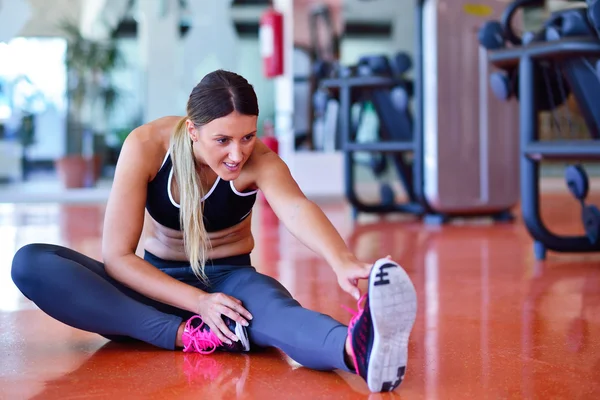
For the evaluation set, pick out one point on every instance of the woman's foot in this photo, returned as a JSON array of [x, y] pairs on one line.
[[379, 332], [197, 337]]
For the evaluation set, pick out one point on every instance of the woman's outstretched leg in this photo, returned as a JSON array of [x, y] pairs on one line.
[[312, 339], [77, 291], [378, 334]]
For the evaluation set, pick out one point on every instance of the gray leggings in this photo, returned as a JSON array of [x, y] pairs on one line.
[[77, 291]]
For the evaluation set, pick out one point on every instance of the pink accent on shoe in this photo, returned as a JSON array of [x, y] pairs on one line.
[[196, 339], [356, 316]]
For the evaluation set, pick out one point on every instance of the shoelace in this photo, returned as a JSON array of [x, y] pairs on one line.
[[356, 314], [204, 342]]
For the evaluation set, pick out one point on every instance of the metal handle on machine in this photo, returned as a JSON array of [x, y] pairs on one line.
[[508, 15]]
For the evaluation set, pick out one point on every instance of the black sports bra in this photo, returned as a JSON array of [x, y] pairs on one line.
[[224, 206]]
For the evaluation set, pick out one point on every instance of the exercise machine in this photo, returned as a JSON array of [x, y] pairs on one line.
[[544, 70], [376, 84], [459, 160]]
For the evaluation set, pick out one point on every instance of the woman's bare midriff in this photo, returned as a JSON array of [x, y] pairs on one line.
[[167, 243]]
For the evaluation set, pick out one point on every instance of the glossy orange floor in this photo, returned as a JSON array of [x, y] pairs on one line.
[[492, 322]]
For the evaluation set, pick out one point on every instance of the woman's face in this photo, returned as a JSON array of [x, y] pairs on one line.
[[225, 144]]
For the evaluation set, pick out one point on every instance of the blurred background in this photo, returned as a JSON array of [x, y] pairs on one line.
[[78, 75]]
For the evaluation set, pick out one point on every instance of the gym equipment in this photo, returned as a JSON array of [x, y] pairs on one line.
[[468, 164], [594, 14], [567, 45], [463, 159], [377, 85], [578, 184], [505, 84]]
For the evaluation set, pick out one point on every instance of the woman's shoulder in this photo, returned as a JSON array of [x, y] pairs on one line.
[[259, 159], [263, 161], [149, 143], [155, 133]]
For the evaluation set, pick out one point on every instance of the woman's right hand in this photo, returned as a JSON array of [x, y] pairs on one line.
[[212, 305]]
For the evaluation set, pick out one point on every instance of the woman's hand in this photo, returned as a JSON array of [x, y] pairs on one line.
[[213, 305], [350, 271]]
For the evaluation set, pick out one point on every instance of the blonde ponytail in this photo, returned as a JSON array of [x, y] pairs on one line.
[[217, 95], [195, 237]]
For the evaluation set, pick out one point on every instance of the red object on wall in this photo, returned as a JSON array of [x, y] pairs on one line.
[[271, 42], [272, 143], [269, 138]]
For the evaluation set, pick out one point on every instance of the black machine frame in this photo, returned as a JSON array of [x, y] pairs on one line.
[[368, 84], [417, 203], [533, 150]]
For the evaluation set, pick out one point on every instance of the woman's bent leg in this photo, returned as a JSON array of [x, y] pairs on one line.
[[310, 338], [77, 291]]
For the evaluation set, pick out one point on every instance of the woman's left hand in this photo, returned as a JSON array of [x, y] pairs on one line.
[[350, 272]]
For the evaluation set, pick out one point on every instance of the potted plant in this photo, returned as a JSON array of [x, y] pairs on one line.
[[91, 97]]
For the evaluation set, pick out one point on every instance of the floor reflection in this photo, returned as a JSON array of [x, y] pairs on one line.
[[492, 322]]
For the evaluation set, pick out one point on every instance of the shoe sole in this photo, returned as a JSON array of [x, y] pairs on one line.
[[242, 334], [393, 306]]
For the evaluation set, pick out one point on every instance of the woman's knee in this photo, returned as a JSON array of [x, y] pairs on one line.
[[263, 288], [25, 265]]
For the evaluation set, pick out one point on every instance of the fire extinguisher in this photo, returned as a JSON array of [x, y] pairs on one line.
[[269, 138], [271, 42]]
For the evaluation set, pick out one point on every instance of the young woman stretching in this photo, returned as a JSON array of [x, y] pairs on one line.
[[184, 188]]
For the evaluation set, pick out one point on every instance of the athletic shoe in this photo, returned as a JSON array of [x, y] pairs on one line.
[[380, 329], [197, 337]]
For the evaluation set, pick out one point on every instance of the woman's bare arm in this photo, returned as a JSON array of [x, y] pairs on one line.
[[123, 226], [302, 217], [306, 221]]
